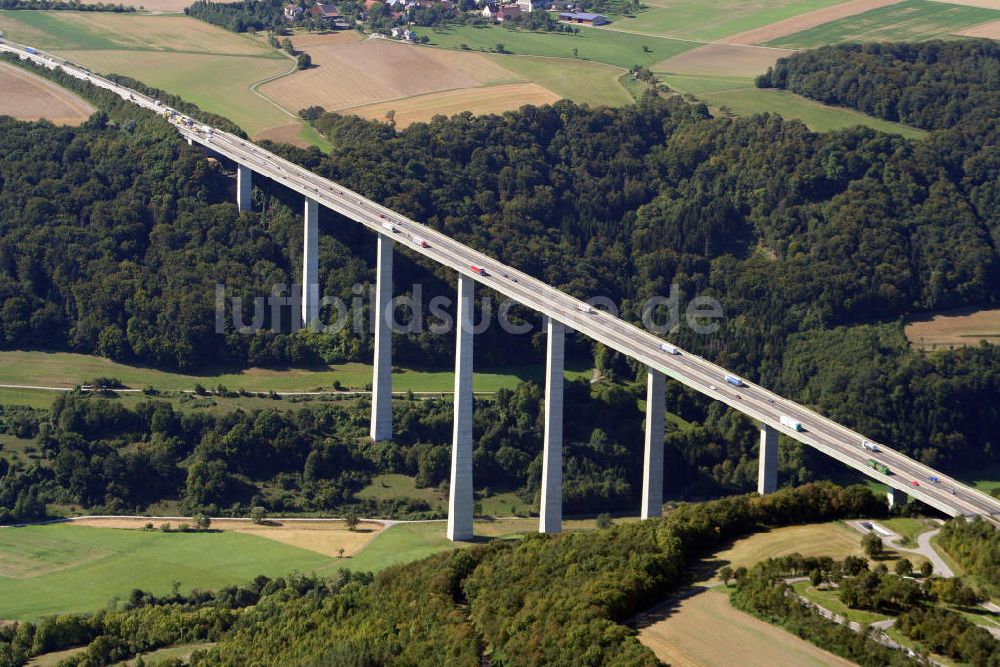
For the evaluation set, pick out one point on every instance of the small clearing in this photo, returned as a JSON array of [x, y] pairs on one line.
[[30, 97], [812, 19], [722, 60], [954, 328]]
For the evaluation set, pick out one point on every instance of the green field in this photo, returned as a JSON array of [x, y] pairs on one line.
[[392, 486], [704, 21], [583, 82], [741, 97], [62, 568], [910, 20], [603, 46], [206, 65], [65, 369], [831, 600]]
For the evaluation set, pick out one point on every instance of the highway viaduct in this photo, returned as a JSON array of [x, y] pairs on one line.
[[560, 310]]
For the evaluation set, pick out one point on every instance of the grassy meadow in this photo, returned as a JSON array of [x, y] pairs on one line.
[[738, 95], [603, 46], [63, 568], [66, 370]]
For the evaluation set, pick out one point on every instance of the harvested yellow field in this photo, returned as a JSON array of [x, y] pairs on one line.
[[31, 97], [722, 60], [989, 30], [954, 328], [350, 73], [703, 630], [492, 99], [324, 537], [822, 539], [795, 24]]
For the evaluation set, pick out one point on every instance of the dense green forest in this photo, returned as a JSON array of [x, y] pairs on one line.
[[240, 16], [513, 601], [976, 545], [801, 236], [933, 85]]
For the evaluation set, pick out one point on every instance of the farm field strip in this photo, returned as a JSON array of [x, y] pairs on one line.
[[29, 97], [738, 639], [709, 22], [909, 20], [794, 24], [954, 328], [620, 49], [490, 99]]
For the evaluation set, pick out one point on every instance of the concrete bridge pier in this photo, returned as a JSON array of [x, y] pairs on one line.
[[652, 469], [382, 375], [896, 497], [244, 179], [310, 264], [460, 491], [550, 520], [767, 468]]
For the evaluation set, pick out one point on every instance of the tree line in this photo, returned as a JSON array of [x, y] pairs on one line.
[[932, 85]]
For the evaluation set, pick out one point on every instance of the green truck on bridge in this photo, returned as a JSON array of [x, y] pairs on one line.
[[881, 467]]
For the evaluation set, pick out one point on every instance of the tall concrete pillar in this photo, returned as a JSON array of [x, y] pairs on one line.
[[550, 519], [382, 376], [767, 468], [652, 469], [896, 497], [310, 263], [244, 178], [190, 141], [460, 491]]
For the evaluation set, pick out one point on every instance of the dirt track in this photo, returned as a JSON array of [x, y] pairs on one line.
[[805, 21]]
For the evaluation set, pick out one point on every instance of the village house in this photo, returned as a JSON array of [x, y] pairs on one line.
[[325, 12], [293, 12]]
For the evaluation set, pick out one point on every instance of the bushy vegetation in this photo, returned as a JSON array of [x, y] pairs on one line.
[[976, 546], [103, 456], [764, 593], [72, 5], [932, 85], [949, 634], [542, 600]]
